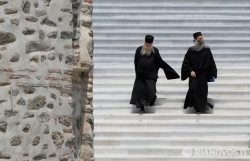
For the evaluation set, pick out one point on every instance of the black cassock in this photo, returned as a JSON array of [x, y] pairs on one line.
[[146, 69], [202, 63]]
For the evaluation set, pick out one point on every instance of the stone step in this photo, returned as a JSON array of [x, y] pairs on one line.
[[183, 3], [157, 35], [167, 6], [177, 32], [168, 108], [123, 102], [236, 63], [164, 84], [171, 54], [188, 24], [112, 120], [170, 39], [175, 27], [237, 143], [171, 12], [116, 78], [188, 134], [168, 28], [172, 46], [157, 41], [173, 93], [175, 20], [180, 4], [106, 157], [164, 49], [129, 69], [119, 10], [130, 59], [121, 134], [219, 62], [152, 151], [154, 110], [172, 105], [170, 88], [182, 126], [118, 101]]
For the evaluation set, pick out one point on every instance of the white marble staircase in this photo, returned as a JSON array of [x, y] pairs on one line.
[[121, 134]]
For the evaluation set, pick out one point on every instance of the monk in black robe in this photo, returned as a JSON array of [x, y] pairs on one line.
[[147, 62], [199, 67]]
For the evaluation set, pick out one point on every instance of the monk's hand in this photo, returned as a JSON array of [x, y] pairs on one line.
[[193, 74]]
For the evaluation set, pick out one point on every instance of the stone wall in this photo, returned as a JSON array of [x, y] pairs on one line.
[[46, 87]]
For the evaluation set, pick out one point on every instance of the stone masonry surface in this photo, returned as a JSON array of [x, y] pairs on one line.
[[42, 99]]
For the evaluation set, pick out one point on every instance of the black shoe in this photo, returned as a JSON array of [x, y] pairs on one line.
[[210, 105], [141, 112]]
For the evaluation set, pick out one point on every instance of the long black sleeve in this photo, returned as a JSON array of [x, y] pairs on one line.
[[212, 68], [170, 73], [186, 68]]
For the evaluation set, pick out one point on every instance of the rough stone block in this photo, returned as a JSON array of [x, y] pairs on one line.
[[26, 128], [28, 31], [43, 117], [64, 157], [48, 22], [31, 19], [50, 105], [40, 156], [4, 83], [28, 115], [9, 11], [4, 156], [47, 2], [65, 120], [3, 126], [26, 6], [40, 13], [15, 141], [70, 60], [58, 139], [15, 57], [10, 113], [46, 130], [52, 35], [33, 46], [3, 2], [66, 35], [37, 103], [15, 21], [6, 38], [21, 101], [36, 141]]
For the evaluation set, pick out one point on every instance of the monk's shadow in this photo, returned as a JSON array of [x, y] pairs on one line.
[[150, 109], [192, 110]]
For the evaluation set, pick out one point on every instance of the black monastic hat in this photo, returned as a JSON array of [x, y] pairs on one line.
[[197, 34], [149, 39]]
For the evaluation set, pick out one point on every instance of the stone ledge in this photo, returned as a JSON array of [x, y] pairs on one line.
[[81, 69]]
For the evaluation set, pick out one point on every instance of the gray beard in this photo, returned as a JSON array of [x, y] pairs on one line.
[[147, 51], [199, 46]]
